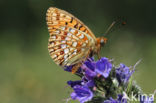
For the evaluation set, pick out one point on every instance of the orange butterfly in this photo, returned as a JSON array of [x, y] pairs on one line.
[[71, 42]]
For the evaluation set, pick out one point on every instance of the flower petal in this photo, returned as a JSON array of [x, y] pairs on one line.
[[103, 67]]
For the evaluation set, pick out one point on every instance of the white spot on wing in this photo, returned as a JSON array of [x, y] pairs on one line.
[[68, 17], [54, 18], [56, 32], [52, 43], [66, 50], [81, 36], [75, 51], [49, 27], [63, 41], [55, 22], [51, 50], [86, 41], [74, 44], [63, 28], [82, 49], [63, 46], [67, 38], [69, 34], [54, 14], [65, 56], [71, 30], [53, 37], [54, 56], [71, 49], [84, 44], [78, 34], [62, 15], [66, 59], [75, 37]]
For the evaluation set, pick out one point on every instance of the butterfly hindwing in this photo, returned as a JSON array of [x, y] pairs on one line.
[[70, 40]]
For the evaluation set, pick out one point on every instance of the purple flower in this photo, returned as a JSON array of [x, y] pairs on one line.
[[103, 67], [120, 99], [90, 83], [74, 83], [82, 93], [92, 68], [146, 99], [83, 82], [123, 73], [89, 68], [68, 68]]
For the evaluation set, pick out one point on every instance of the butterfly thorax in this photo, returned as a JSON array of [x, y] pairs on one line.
[[100, 41]]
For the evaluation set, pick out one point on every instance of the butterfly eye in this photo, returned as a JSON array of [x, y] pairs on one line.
[[103, 41]]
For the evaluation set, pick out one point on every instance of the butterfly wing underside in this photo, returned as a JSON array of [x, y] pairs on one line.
[[70, 40]]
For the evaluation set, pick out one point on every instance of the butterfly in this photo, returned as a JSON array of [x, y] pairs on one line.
[[71, 42]]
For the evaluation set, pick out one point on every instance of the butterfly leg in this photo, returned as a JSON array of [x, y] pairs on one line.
[[76, 67], [98, 54]]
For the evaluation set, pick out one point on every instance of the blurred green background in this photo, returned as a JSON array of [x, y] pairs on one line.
[[28, 74]]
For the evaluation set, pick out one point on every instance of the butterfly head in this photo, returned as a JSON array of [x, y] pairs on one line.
[[101, 41]]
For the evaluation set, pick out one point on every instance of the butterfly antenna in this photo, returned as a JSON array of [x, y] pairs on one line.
[[116, 23], [109, 28]]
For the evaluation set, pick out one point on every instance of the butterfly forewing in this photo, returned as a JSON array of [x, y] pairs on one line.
[[70, 40]]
